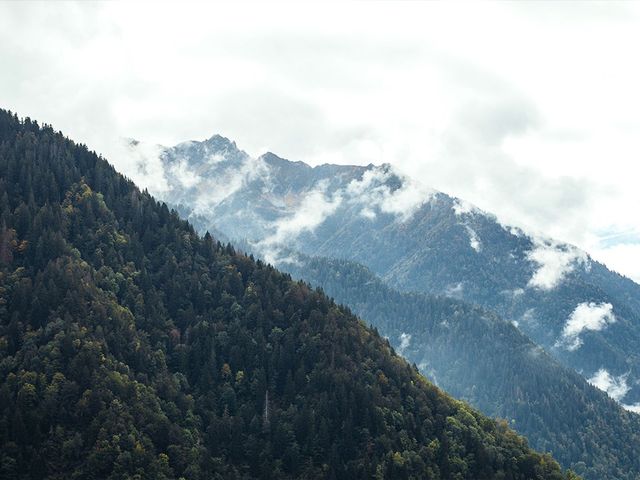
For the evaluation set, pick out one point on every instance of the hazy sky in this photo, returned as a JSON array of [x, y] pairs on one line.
[[528, 110]]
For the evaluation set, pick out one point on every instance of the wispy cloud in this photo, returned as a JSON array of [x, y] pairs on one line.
[[554, 261], [143, 164], [454, 290], [474, 239], [214, 189], [616, 387], [462, 207], [184, 173], [389, 191], [313, 209], [635, 407], [586, 316], [405, 340]]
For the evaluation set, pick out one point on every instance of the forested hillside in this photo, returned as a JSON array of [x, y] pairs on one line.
[[480, 358], [131, 347]]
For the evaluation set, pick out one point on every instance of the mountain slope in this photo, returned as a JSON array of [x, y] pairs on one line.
[[478, 357], [416, 239], [130, 347]]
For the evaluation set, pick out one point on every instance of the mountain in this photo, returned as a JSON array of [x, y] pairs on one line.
[[417, 239], [131, 347], [408, 238], [478, 357]]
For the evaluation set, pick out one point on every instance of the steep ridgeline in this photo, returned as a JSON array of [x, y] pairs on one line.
[[416, 239], [131, 347], [480, 358]]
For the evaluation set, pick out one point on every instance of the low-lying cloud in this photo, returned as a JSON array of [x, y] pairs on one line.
[[454, 290], [616, 387], [635, 407], [373, 191], [585, 317], [142, 164], [184, 174], [405, 340], [474, 239], [462, 207], [554, 261], [312, 211], [214, 189]]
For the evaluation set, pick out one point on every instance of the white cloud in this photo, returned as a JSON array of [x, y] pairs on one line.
[[454, 290], [312, 210], [405, 340], [142, 164], [586, 316], [373, 190], [553, 261], [462, 207], [474, 240], [635, 407], [185, 174], [366, 212], [214, 189], [616, 387]]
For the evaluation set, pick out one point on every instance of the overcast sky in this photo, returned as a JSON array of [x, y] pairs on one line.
[[529, 110]]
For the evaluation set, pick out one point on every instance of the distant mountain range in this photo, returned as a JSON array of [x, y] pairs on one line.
[[411, 240]]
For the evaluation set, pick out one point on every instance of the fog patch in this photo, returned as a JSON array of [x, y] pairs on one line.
[[616, 387], [554, 261], [428, 373], [142, 164], [515, 231], [635, 408], [376, 190], [368, 213], [535, 351], [474, 240], [292, 259], [214, 189], [462, 207], [454, 290], [405, 340], [312, 211], [185, 175], [586, 316]]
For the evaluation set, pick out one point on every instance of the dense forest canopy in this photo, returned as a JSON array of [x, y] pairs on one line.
[[131, 348]]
